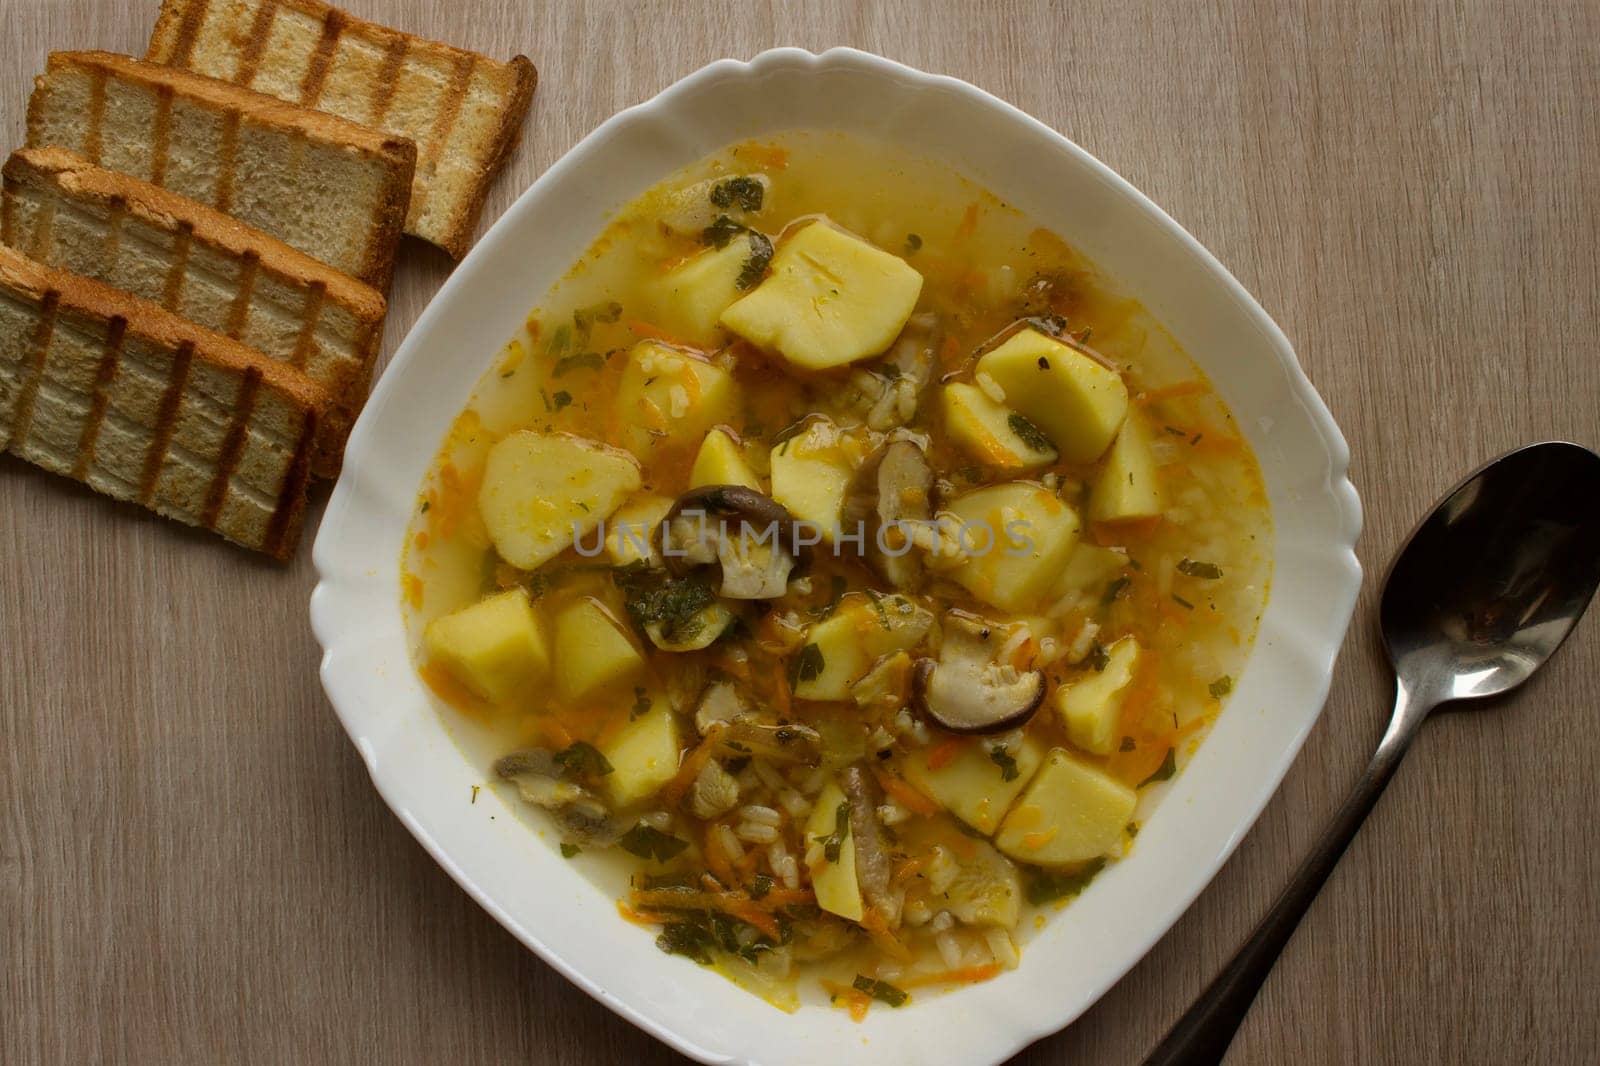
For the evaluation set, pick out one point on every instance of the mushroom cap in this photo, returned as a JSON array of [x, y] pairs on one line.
[[966, 691]]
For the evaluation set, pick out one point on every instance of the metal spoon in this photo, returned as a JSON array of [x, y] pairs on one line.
[[1485, 591]]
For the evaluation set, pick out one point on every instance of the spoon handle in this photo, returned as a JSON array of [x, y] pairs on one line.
[[1201, 1037]]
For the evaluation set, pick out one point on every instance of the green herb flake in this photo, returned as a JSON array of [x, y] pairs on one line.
[[744, 192], [913, 243], [581, 361], [424, 508], [1169, 766], [1204, 571], [569, 850], [720, 232], [582, 759], [760, 885], [877, 602], [755, 267], [834, 842], [641, 702], [882, 991], [562, 399], [1007, 763], [687, 939], [1220, 687], [1115, 590], [1029, 433], [1097, 657], [1128, 744], [648, 842], [1181, 602], [1175, 431], [1048, 886], [652, 595], [808, 665], [1132, 830]]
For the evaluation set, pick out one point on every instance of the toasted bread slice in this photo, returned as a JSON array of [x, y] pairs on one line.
[[145, 407], [333, 189], [198, 263], [463, 110]]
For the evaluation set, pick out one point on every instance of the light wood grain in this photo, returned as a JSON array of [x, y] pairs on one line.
[[194, 868]]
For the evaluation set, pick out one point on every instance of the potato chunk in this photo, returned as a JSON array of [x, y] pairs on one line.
[[810, 474], [643, 755], [668, 398], [1019, 537], [972, 785], [631, 531], [719, 462], [690, 297], [1089, 568], [1092, 706], [993, 433], [495, 647], [1127, 486], [592, 652], [838, 891], [848, 642], [831, 299], [1075, 399], [541, 491], [1071, 812]]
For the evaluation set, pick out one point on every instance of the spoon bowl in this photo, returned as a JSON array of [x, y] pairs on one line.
[[1492, 581]]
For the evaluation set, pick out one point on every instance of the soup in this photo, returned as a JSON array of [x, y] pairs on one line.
[[832, 566]]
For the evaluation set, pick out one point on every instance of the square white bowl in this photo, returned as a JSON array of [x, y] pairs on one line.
[[1207, 809]]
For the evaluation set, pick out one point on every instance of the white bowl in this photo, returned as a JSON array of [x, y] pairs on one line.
[[553, 908]]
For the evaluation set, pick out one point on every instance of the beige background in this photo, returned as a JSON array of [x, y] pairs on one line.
[[193, 867]]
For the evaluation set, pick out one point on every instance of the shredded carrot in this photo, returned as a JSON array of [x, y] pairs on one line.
[[857, 1000], [944, 751], [877, 927], [690, 768], [961, 975], [646, 331], [904, 794], [737, 904], [1171, 392], [969, 221]]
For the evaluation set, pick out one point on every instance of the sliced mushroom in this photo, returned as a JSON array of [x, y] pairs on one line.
[[905, 373], [890, 496], [756, 561], [872, 854], [965, 690], [714, 793], [783, 743], [582, 816], [721, 703]]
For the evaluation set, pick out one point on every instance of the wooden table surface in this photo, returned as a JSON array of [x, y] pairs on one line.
[[194, 868]]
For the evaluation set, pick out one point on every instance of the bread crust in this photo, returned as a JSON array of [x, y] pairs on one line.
[[181, 24], [69, 176], [59, 295], [395, 155]]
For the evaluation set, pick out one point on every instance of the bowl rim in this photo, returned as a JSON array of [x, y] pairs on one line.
[[326, 550]]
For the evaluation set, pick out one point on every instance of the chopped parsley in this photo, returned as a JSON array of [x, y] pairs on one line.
[[1128, 744], [562, 399], [1181, 602], [1029, 433], [882, 991], [1169, 766], [720, 232], [1047, 886], [582, 759], [1115, 590], [745, 192], [1007, 763], [760, 885], [808, 665], [581, 361], [833, 843], [755, 267], [1204, 571], [641, 702], [877, 602], [1220, 687], [913, 243], [569, 850], [687, 939], [1097, 657], [655, 596], [648, 842]]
